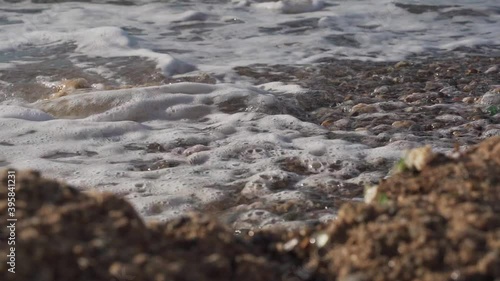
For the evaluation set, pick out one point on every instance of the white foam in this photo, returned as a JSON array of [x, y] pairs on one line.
[[17, 112], [292, 6], [205, 148], [182, 38], [281, 87], [110, 41]]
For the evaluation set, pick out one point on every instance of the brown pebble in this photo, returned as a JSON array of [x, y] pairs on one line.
[[491, 69], [468, 100], [361, 108], [471, 71], [327, 123], [468, 88], [402, 124], [418, 158], [68, 86], [401, 64]]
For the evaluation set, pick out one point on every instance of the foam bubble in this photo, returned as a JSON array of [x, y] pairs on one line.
[[18, 112], [292, 6], [117, 139]]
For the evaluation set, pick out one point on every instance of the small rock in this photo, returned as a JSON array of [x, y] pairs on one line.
[[413, 97], [431, 86], [381, 90], [471, 71], [370, 194], [68, 86], [492, 69], [198, 158], [423, 73], [468, 100], [402, 124], [380, 128], [195, 149], [401, 64], [448, 90], [342, 123], [491, 133], [418, 158], [327, 123], [450, 118], [490, 98], [469, 87], [71, 84], [361, 108]]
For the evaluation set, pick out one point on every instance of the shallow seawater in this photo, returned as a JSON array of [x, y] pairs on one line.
[[241, 108]]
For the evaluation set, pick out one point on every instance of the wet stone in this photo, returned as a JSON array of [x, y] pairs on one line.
[[361, 108], [401, 64], [155, 147], [492, 69], [403, 124], [490, 98]]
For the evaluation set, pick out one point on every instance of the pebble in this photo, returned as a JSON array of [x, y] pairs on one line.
[[431, 86], [195, 149], [401, 64], [491, 133], [342, 123], [448, 90], [469, 87], [413, 97], [402, 124], [380, 128], [411, 109], [471, 71], [327, 123], [468, 100], [450, 118], [77, 83], [198, 158], [490, 98], [492, 69], [363, 108], [381, 90], [67, 86], [418, 158], [226, 130]]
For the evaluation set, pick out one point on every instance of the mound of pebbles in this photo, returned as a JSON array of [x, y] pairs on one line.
[[443, 100], [440, 222]]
